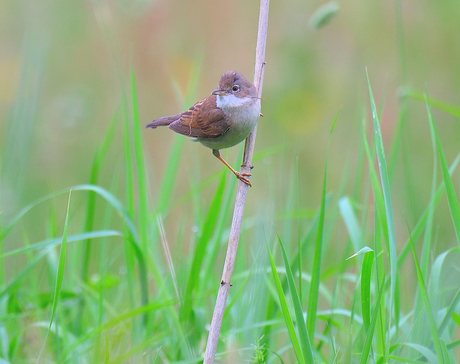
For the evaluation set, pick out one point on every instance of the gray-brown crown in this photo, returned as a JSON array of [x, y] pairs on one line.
[[234, 82]]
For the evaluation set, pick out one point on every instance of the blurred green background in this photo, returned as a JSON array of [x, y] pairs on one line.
[[63, 66], [64, 73]]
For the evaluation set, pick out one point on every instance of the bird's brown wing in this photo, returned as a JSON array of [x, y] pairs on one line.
[[202, 120]]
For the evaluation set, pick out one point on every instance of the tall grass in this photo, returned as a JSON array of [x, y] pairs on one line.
[[118, 276], [379, 328], [366, 309]]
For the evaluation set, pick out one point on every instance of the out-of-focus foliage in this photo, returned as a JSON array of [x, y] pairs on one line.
[[67, 112]]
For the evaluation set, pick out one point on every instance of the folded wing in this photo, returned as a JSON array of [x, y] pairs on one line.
[[202, 120]]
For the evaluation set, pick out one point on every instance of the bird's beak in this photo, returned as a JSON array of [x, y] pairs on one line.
[[219, 92]]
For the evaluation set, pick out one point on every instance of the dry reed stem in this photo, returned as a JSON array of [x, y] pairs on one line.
[[240, 200]]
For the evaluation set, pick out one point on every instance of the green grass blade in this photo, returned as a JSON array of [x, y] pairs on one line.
[[226, 210], [386, 191], [70, 239], [131, 240], [450, 191], [116, 204], [170, 174], [405, 360], [120, 318], [91, 205], [445, 352], [19, 277], [285, 310], [351, 222], [427, 240], [299, 225], [106, 195], [129, 192], [305, 343], [447, 318], [59, 275], [128, 164], [61, 264], [421, 223], [109, 197], [426, 352], [376, 188], [201, 248], [316, 270], [272, 307], [421, 335], [142, 191], [174, 157], [366, 280], [142, 197], [6, 230], [427, 305], [307, 238], [91, 208], [371, 329], [324, 14], [438, 104]]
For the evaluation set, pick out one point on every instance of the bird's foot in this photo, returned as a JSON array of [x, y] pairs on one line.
[[242, 177]]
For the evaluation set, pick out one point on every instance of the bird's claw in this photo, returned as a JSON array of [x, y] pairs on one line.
[[242, 177]]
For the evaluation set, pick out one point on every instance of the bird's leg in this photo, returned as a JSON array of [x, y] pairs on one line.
[[239, 175]]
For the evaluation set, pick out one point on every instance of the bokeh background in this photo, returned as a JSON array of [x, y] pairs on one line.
[[65, 68]]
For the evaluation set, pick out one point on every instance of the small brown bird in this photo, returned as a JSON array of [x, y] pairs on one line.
[[221, 120]]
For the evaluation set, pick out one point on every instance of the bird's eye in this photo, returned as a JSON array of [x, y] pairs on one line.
[[235, 88]]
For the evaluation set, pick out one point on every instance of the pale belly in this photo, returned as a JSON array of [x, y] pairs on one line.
[[245, 121]]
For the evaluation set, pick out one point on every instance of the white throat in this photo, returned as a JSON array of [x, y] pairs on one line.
[[232, 102]]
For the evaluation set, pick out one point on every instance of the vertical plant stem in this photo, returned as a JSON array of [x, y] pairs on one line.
[[240, 200]]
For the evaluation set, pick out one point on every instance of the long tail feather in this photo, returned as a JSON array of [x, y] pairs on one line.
[[164, 121]]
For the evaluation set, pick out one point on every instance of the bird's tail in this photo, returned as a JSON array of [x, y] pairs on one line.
[[164, 121]]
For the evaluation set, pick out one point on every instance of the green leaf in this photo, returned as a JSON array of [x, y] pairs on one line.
[[386, 190], [201, 248], [371, 329], [61, 265], [142, 190], [59, 276], [324, 15], [316, 270], [285, 311], [450, 191], [445, 352], [70, 239], [441, 105], [305, 343], [366, 275], [91, 205], [427, 305], [451, 310], [172, 169], [351, 222]]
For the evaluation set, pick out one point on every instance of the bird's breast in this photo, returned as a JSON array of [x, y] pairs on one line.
[[242, 118]]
